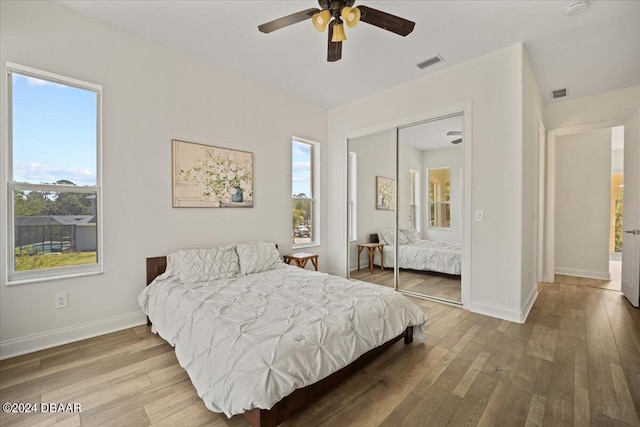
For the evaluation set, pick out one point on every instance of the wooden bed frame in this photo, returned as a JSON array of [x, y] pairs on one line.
[[300, 398]]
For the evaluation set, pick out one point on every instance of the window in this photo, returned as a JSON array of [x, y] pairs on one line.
[[414, 199], [55, 198], [353, 196], [439, 198], [304, 183]]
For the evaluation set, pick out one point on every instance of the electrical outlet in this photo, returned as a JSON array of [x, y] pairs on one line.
[[479, 216], [61, 300]]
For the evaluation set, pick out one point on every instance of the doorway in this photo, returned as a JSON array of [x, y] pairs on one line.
[[586, 199]]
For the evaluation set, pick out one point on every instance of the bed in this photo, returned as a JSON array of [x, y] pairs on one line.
[[265, 342], [422, 255]]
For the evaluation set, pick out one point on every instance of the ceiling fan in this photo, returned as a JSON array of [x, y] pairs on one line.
[[455, 133], [332, 14]]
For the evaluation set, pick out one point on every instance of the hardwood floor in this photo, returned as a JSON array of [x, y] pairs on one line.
[[615, 269], [576, 361], [444, 286]]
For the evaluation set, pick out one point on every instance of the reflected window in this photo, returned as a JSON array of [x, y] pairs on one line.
[[439, 198], [414, 199]]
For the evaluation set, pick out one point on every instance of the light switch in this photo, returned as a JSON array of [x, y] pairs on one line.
[[479, 216]]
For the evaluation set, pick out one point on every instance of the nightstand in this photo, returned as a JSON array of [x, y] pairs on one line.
[[301, 259], [371, 249]]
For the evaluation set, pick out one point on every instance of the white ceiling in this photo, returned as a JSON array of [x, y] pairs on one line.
[[590, 53], [432, 135]]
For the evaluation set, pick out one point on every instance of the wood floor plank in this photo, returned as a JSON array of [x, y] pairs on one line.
[[559, 400], [535, 416], [625, 401]]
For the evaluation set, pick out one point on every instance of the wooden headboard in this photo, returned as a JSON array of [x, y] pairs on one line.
[[373, 238], [155, 267]]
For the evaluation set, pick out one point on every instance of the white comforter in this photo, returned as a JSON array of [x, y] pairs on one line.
[[429, 255], [249, 341]]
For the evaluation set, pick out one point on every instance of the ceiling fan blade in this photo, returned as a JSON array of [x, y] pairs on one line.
[[334, 49], [456, 141], [285, 21], [386, 21], [454, 132]]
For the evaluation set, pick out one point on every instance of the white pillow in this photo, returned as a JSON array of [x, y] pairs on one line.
[[258, 256], [411, 234], [388, 237], [203, 265]]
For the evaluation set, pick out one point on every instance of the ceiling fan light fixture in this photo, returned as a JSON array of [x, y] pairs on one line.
[[321, 19], [338, 32], [350, 15]]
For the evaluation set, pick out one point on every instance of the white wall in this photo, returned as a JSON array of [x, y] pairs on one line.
[[493, 84], [617, 161], [151, 95], [453, 158], [532, 115], [376, 157], [619, 104], [583, 198]]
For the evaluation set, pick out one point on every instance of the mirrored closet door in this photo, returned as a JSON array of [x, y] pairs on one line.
[[430, 165], [371, 192]]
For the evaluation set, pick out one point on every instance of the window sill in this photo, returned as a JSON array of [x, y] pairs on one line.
[[36, 279], [306, 245]]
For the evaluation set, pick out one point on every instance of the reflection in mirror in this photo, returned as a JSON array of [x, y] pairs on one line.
[[439, 198], [430, 161], [371, 189]]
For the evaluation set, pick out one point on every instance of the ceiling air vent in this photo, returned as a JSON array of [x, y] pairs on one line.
[[429, 62], [559, 93]]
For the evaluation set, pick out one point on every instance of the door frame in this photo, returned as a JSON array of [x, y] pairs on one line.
[[464, 108], [549, 262]]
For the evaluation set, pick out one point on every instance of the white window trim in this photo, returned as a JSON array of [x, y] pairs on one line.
[[315, 192], [352, 205], [415, 176], [32, 276]]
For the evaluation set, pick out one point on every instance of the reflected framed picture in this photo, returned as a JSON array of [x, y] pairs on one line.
[[205, 176], [385, 193]]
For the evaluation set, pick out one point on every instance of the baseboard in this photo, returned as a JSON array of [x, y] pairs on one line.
[[529, 304], [589, 274], [504, 312], [29, 344], [494, 310]]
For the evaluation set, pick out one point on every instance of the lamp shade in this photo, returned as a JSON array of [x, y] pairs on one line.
[[321, 19], [338, 32], [350, 15]]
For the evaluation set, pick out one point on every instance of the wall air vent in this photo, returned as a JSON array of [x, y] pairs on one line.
[[559, 93], [429, 62]]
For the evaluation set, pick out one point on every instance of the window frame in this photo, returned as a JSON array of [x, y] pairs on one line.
[[414, 199], [14, 277], [315, 191]]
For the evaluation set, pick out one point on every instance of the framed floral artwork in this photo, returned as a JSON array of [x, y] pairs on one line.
[[205, 176], [385, 193]]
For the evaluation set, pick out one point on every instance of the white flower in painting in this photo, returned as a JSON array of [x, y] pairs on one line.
[[221, 171]]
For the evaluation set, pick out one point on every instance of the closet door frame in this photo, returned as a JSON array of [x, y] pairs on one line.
[[465, 109]]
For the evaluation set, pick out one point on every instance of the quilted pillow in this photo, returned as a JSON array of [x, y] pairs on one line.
[[388, 237], [202, 265], [411, 234], [255, 257]]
